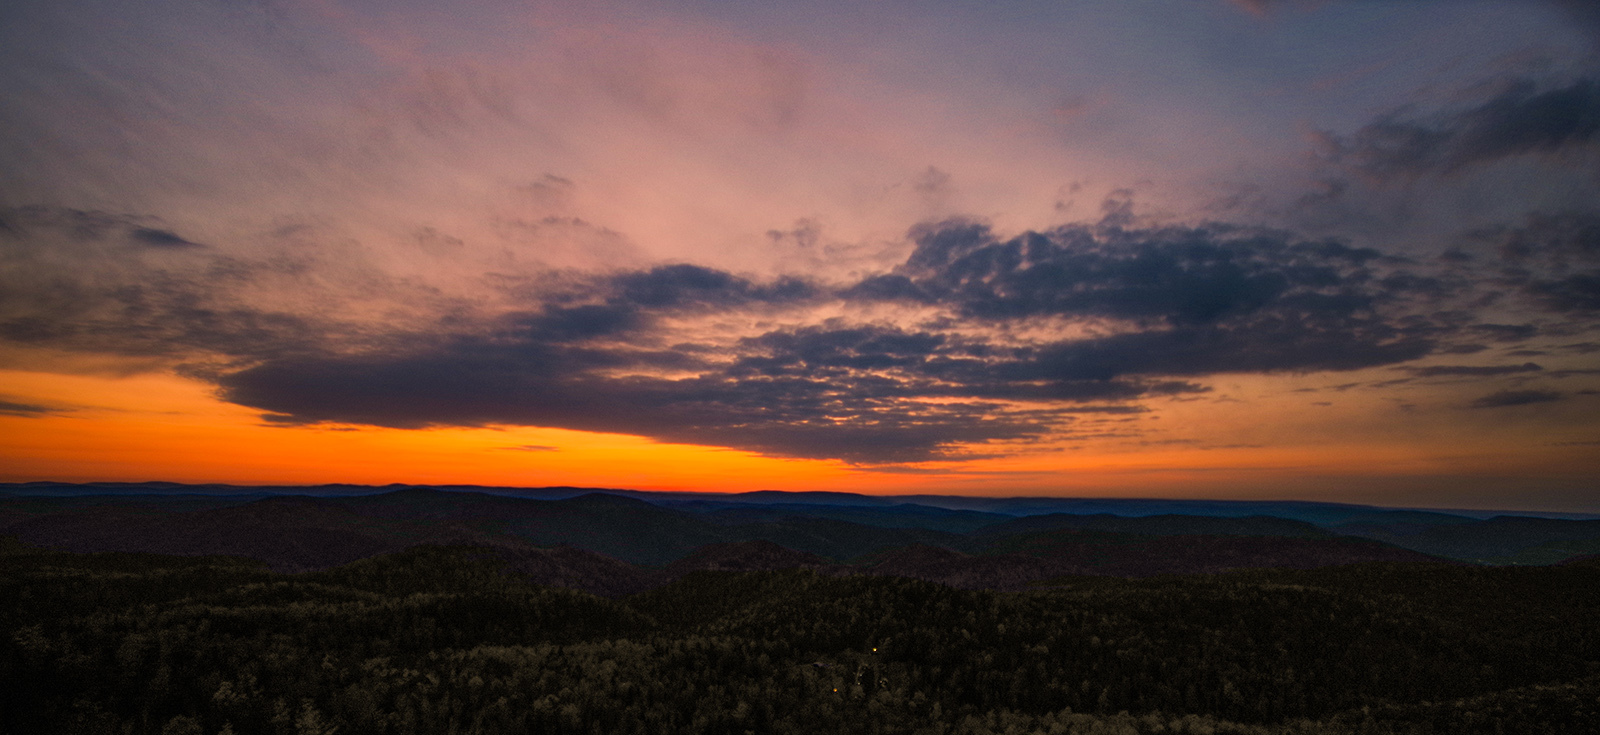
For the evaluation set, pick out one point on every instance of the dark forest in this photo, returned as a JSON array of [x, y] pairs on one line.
[[453, 639]]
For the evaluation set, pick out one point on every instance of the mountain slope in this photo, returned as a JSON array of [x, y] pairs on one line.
[[1158, 525], [1496, 540]]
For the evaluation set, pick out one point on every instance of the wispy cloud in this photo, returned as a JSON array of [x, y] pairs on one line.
[[1517, 398], [27, 410]]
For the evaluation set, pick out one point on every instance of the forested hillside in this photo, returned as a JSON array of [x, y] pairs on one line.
[[307, 528], [438, 639]]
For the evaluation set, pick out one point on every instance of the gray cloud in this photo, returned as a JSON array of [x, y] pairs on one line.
[[1516, 398], [1192, 302], [1560, 238], [1198, 300], [1577, 292], [688, 286], [1554, 258], [1433, 371], [1504, 332], [1584, 12], [25, 410], [611, 352], [1178, 276], [1525, 118], [863, 420], [106, 283], [159, 238]]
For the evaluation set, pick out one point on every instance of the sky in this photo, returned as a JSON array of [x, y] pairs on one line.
[[1340, 250]]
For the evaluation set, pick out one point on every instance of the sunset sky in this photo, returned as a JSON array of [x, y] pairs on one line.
[[1324, 250]]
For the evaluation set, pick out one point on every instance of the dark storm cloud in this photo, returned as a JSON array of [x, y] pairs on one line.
[[1516, 398], [1523, 119]]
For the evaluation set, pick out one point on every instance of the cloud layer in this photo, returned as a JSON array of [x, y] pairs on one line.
[[872, 233], [974, 342]]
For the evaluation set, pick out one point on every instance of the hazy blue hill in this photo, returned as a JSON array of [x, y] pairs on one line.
[[625, 528], [430, 504], [608, 501], [423, 503], [1502, 539], [1140, 555], [1320, 513], [289, 533], [617, 526], [554, 492], [1158, 525], [179, 488], [1552, 552], [1016, 561], [1412, 518], [298, 532], [804, 497], [1395, 525], [1311, 512], [17, 508], [301, 532], [902, 515]]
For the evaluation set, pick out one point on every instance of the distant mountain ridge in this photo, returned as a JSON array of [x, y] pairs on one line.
[[614, 544], [1317, 512]]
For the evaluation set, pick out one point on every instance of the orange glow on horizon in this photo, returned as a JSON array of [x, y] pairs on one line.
[[161, 427]]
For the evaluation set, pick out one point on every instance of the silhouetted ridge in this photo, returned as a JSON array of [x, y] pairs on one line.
[[1500, 539], [607, 500], [566, 566], [743, 556], [289, 533], [300, 532], [1160, 525], [1589, 560]]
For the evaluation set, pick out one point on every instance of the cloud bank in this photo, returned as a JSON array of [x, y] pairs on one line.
[[971, 344]]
